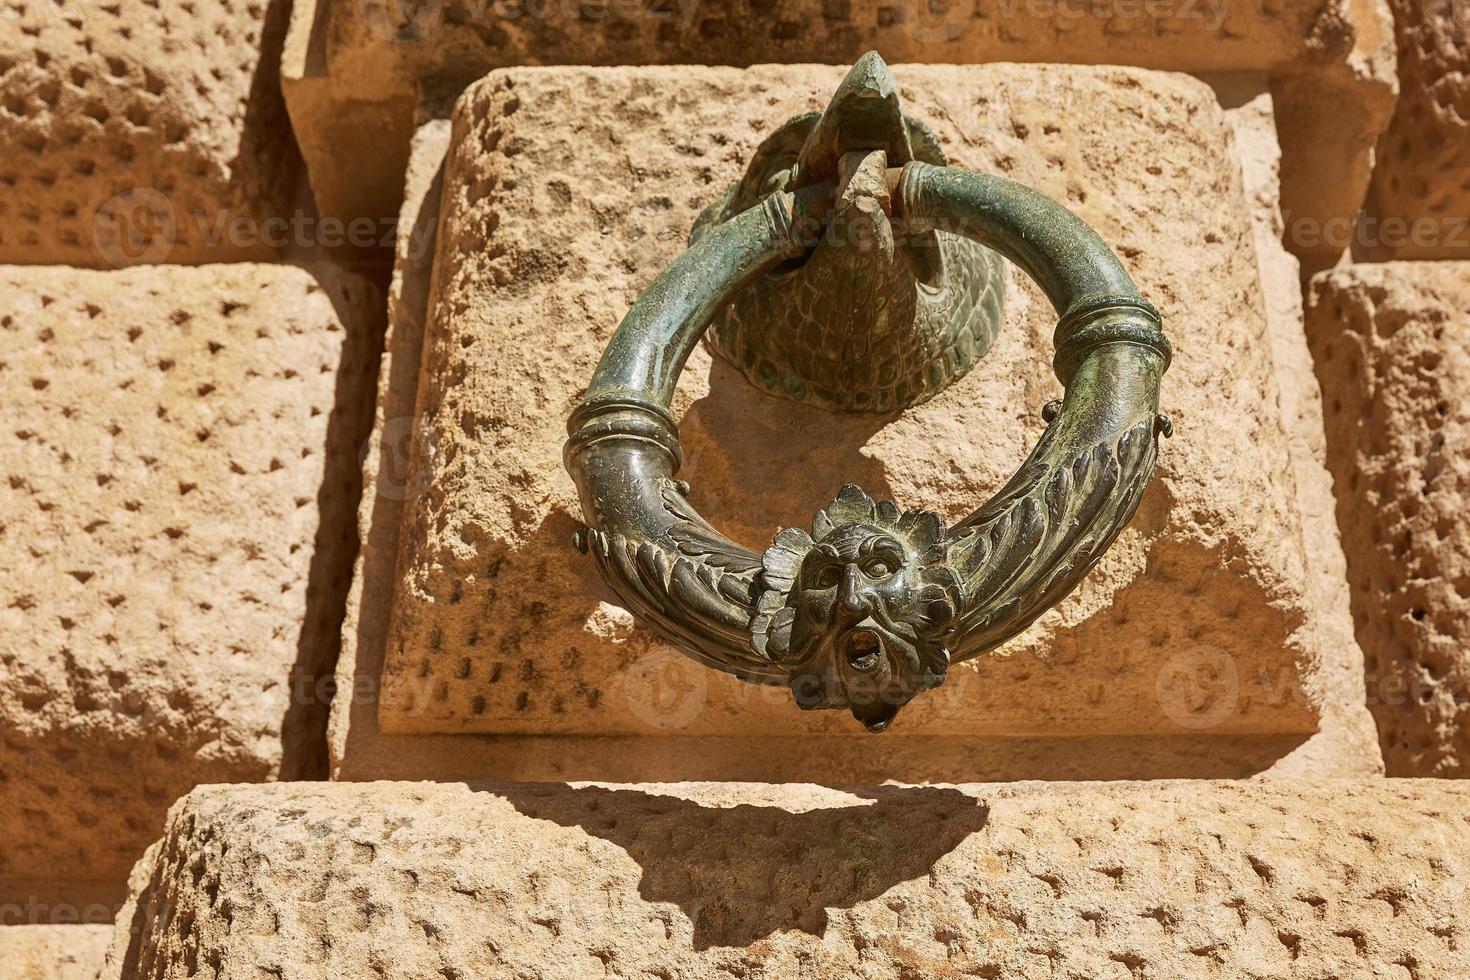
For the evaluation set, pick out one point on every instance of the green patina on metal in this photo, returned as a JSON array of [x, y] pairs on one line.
[[874, 317], [870, 607]]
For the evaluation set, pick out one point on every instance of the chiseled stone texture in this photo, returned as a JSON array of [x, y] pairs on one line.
[[1327, 153], [180, 454], [353, 723], [1351, 734], [1392, 346], [353, 69], [176, 107], [1195, 623], [71, 952], [1422, 173], [1117, 880]]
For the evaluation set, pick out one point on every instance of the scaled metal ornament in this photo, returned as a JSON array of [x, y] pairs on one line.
[[869, 608], [870, 318]]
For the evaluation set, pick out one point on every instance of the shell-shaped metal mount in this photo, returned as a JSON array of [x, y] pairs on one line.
[[873, 315]]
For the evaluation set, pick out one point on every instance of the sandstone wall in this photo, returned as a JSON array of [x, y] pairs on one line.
[[1253, 127], [639, 689], [176, 526], [352, 730], [353, 72], [180, 467], [1392, 345], [141, 132], [1422, 180], [1173, 879], [180, 455]]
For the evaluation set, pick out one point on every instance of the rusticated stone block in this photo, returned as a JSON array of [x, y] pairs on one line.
[[1392, 346], [353, 726], [180, 455], [1254, 128], [71, 952], [1421, 179], [1331, 106], [1174, 879], [354, 70], [500, 630], [140, 132]]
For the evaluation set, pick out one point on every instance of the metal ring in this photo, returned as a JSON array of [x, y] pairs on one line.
[[872, 606]]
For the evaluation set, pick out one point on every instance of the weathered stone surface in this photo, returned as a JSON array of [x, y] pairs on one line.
[[1183, 879], [180, 450], [1422, 176], [1350, 734], [360, 750], [72, 952], [1331, 106], [1392, 346], [352, 731], [354, 70], [136, 132], [1201, 527]]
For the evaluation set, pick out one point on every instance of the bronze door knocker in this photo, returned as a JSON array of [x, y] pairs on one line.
[[853, 269]]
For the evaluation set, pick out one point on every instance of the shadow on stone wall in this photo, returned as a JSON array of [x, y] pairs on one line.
[[743, 872]]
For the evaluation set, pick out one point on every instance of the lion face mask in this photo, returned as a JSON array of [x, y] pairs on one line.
[[857, 608]]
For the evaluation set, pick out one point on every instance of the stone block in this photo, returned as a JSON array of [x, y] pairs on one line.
[[354, 71], [1392, 347], [180, 453], [1331, 107], [1174, 879], [565, 265], [1422, 177], [1253, 126], [46, 952], [141, 132], [352, 731]]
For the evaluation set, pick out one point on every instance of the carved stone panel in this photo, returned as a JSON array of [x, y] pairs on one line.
[[553, 219]]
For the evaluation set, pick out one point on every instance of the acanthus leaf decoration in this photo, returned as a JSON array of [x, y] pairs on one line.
[[692, 586], [1028, 547]]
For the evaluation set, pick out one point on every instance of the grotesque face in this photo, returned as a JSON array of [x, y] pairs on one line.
[[859, 623]]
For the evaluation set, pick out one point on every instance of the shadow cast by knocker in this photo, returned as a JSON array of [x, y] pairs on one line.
[[743, 872]]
